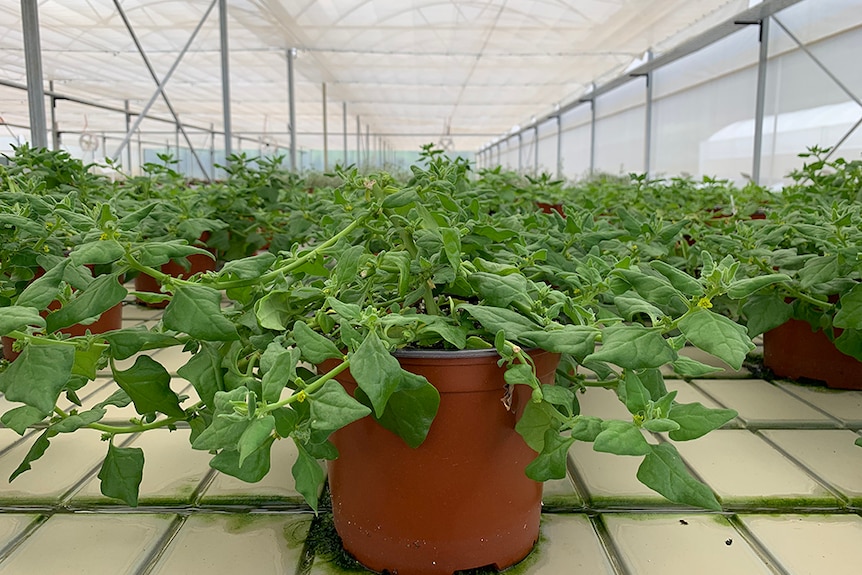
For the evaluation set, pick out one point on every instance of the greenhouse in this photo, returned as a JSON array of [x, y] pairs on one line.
[[431, 287]]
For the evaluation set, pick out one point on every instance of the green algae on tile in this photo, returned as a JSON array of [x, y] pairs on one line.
[[324, 543]]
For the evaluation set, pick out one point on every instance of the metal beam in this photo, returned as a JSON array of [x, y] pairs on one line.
[[55, 131], [128, 118], [33, 66], [358, 141], [367, 145], [344, 128], [592, 137], [291, 104], [224, 53], [536, 150], [160, 83], [325, 134], [559, 147], [760, 103], [520, 145], [648, 118]]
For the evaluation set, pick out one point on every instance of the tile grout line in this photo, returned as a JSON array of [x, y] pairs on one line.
[[845, 500], [612, 553], [762, 551], [25, 534], [842, 424], [158, 550]]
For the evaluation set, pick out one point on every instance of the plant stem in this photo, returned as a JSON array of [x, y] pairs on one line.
[[301, 395]]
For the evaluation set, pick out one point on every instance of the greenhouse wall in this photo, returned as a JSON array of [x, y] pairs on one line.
[[696, 115]]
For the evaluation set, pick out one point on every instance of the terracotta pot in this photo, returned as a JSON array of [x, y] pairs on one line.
[[459, 501], [794, 351], [109, 320], [548, 208], [199, 264]]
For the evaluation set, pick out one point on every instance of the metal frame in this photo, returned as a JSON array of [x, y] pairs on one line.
[[291, 104], [33, 65]]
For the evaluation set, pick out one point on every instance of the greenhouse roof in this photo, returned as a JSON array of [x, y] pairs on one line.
[[413, 71]]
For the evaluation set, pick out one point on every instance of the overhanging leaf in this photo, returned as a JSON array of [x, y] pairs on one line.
[[121, 473], [663, 471]]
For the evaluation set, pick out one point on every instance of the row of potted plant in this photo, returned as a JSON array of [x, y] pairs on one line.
[[337, 338]]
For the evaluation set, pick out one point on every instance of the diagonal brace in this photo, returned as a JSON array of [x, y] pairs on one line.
[[160, 84]]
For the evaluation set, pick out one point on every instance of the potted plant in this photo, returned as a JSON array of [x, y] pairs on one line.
[[395, 273]]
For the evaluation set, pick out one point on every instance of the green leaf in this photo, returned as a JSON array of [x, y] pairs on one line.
[[126, 343], [196, 310], [717, 335], [818, 270], [636, 396], [657, 290], [400, 198], [633, 347], [687, 367], [148, 383], [155, 254], [858, 441], [254, 467], [452, 247], [98, 252], [695, 420], [331, 409], [678, 278], [660, 425], [621, 438], [765, 312], [79, 420], [663, 471], [308, 476], [87, 361], [850, 343], [375, 370], [38, 376], [254, 436], [347, 267], [101, 295], [494, 319], [849, 315], [500, 291], [226, 426], [577, 340], [36, 451], [315, 347], [122, 472], [586, 428], [285, 421], [44, 290], [745, 287], [132, 220], [551, 462], [411, 409], [247, 268], [21, 418], [282, 372], [273, 310], [17, 318], [629, 307], [205, 373], [534, 422]]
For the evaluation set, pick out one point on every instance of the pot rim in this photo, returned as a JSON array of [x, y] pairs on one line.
[[453, 353]]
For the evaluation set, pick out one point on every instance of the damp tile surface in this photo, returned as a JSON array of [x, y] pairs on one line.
[[844, 405], [830, 454], [811, 544], [682, 545], [234, 543], [91, 544], [743, 469], [763, 404]]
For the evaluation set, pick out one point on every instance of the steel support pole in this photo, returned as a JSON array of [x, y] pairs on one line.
[[325, 133], [536, 150], [128, 117], [344, 129], [559, 147], [520, 146], [358, 142], [55, 132], [212, 151], [760, 104], [224, 52], [291, 104], [33, 66], [367, 145], [648, 118], [592, 136]]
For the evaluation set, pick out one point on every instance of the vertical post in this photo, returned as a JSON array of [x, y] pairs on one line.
[[325, 134], [140, 150], [55, 133], [520, 142], [358, 142], [648, 119], [291, 104], [33, 66], [759, 105], [592, 136], [344, 121], [367, 145], [128, 117], [225, 76], [177, 144], [212, 151], [536, 150], [559, 147]]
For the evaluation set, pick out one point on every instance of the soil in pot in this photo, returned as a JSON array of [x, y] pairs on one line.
[[794, 351], [459, 501]]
